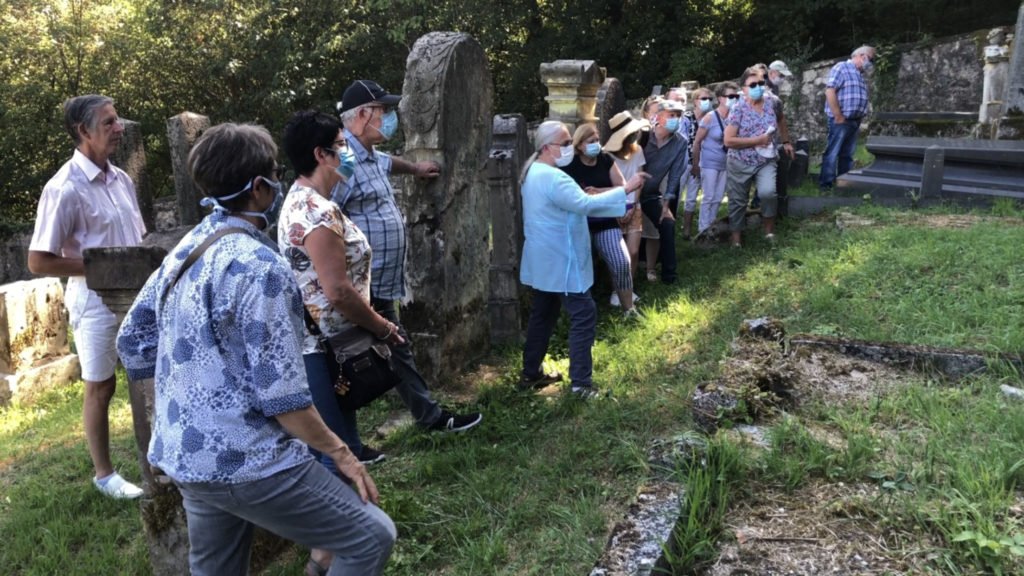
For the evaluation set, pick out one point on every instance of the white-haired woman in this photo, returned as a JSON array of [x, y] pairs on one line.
[[556, 261]]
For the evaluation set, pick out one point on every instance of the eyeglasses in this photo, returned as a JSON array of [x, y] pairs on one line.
[[732, 96], [705, 97], [278, 172], [755, 84]]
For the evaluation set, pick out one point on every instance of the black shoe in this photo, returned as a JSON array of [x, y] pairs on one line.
[[450, 422], [371, 456], [526, 383], [585, 392]]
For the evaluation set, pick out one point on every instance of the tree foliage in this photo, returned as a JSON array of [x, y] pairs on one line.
[[258, 60]]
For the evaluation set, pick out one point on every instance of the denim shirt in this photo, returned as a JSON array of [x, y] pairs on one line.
[[225, 348], [556, 254]]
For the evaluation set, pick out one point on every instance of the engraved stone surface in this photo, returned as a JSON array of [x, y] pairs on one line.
[[1015, 82], [509, 151], [446, 115], [611, 99], [182, 132]]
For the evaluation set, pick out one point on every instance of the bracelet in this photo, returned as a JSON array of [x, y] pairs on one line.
[[387, 335]]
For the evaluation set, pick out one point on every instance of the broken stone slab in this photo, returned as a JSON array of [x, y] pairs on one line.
[[26, 386], [182, 132], [1012, 392], [33, 323], [635, 546], [951, 362]]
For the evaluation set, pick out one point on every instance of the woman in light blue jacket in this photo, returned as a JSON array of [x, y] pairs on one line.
[[556, 257]]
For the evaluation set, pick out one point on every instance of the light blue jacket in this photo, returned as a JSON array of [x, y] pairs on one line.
[[556, 256]]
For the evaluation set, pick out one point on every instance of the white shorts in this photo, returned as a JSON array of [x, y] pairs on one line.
[[95, 329]]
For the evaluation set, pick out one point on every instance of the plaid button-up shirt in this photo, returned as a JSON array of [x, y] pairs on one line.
[[851, 90], [369, 202]]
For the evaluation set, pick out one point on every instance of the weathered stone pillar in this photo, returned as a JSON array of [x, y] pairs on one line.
[[1015, 81], [997, 65], [611, 99], [509, 150], [34, 352], [572, 90], [182, 132], [932, 171], [130, 156], [446, 115]]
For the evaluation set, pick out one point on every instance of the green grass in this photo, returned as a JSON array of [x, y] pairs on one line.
[[536, 488]]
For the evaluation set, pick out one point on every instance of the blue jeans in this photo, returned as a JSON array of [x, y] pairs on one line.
[[544, 311], [305, 504], [842, 141], [341, 422], [412, 388]]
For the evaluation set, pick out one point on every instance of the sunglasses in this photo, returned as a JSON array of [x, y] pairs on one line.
[[732, 96], [705, 98], [755, 84]]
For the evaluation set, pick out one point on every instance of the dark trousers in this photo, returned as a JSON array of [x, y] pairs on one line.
[[652, 208], [782, 182], [412, 388], [341, 422], [544, 312]]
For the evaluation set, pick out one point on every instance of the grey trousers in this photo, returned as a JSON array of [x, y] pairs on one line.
[[305, 504], [739, 177]]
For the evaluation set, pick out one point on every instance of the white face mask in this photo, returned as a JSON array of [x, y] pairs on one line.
[[565, 156]]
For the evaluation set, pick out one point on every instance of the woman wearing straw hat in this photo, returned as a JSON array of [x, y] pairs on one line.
[[629, 158]]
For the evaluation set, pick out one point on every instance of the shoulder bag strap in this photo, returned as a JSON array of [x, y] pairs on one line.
[[198, 251]]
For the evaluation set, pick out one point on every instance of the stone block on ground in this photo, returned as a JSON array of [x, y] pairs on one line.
[[33, 323], [28, 385], [636, 544]]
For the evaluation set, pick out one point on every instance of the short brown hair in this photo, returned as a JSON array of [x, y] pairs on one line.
[[227, 156]]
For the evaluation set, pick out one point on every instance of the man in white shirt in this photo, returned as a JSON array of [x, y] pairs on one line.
[[89, 203]]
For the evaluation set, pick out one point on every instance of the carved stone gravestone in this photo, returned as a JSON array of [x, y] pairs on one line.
[[572, 90], [130, 156], [509, 150], [182, 132], [611, 99], [446, 115]]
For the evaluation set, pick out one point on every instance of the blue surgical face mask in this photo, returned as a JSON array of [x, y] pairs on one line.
[[672, 124], [757, 92], [868, 65], [269, 215], [348, 163], [705, 105], [592, 149], [388, 124]]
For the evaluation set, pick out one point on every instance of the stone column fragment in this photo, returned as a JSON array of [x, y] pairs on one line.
[[509, 151], [1015, 83], [130, 156], [611, 99], [572, 90]]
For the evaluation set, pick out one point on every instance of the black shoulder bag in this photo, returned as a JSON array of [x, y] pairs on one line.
[[359, 378]]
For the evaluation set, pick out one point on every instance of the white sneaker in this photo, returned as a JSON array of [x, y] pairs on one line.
[[118, 488], [615, 300]]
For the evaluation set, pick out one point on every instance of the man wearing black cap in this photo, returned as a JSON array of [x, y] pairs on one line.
[[369, 117]]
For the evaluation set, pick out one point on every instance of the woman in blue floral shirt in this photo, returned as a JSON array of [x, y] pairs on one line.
[[233, 414], [752, 156]]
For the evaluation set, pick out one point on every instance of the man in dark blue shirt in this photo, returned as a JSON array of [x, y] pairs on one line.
[[666, 162]]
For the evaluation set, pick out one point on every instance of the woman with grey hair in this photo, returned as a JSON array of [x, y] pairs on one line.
[[219, 326], [556, 261]]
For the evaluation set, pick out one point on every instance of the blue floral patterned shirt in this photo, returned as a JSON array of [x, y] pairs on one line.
[[225, 347]]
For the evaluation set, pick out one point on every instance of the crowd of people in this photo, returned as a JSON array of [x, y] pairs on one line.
[[263, 351]]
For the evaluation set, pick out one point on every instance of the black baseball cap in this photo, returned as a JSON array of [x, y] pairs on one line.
[[364, 92]]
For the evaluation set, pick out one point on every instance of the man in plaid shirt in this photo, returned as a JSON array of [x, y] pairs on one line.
[[368, 114], [846, 104]]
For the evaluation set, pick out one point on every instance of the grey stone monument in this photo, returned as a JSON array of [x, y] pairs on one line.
[[1015, 82], [446, 115], [509, 151], [611, 99], [932, 171], [572, 90], [997, 66], [182, 132], [130, 156]]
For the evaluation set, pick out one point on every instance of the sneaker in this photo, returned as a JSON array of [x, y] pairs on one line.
[[585, 392], [652, 276], [614, 300], [770, 238], [527, 383], [631, 314], [118, 488], [371, 456], [449, 422]]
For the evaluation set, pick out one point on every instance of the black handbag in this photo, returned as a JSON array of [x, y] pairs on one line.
[[358, 378]]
